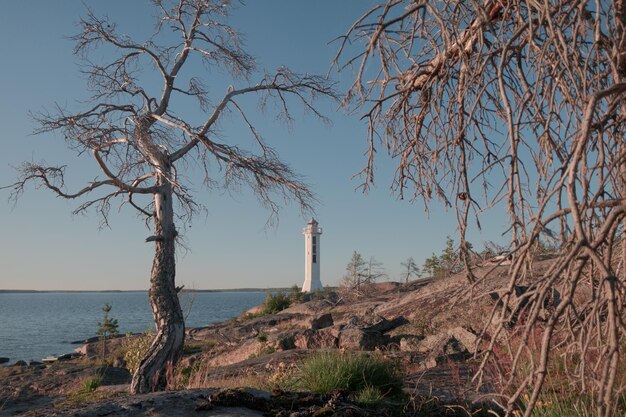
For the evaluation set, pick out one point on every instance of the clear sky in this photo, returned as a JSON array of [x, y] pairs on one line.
[[44, 247]]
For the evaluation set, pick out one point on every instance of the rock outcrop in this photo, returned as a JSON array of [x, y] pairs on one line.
[[326, 338], [323, 321], [92, 349], [355, 338], [432, 340]]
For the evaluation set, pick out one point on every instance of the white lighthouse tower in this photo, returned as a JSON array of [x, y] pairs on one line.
[[312, 234]]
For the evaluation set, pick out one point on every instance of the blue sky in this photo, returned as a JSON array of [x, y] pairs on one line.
[[44, 247]]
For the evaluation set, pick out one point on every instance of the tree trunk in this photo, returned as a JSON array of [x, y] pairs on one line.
[[167, 346]]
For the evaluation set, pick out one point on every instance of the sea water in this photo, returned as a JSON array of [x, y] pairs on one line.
[[35, 325]]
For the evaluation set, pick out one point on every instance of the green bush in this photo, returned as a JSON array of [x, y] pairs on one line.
[[366, 376], [296, 295], [275, 303], [135, 349]]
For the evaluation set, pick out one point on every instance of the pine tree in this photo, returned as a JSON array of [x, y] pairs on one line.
[[107, 328], [356, 270], [446, 263]]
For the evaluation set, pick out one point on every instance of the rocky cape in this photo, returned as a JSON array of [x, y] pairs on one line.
[[431, 327]]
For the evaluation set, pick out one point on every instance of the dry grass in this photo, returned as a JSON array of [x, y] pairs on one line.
[[563, 394], [201, 375]]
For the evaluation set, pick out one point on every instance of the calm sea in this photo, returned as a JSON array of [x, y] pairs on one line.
[[35, 325]]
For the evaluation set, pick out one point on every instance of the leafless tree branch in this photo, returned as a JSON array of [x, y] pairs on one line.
[[516, 104]]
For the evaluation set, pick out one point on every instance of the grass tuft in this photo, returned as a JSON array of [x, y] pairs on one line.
[[92, 383], [365, 376], [369, 396], [87, 391]]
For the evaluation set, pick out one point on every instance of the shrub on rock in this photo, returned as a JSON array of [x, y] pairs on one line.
[[275, 303], [135, 350]]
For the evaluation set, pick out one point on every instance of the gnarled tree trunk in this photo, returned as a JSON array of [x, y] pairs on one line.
[[136, 139], [167, 346]]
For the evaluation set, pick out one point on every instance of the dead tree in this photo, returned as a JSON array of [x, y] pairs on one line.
[[516, 104], [143, 144], [360, 275], [411, 270]]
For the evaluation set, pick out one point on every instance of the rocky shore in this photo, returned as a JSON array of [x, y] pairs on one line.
[[429, 327]]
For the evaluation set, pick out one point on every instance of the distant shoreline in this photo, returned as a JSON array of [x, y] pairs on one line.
[[122, 291]]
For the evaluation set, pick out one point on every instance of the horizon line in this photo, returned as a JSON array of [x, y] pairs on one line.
[[146, 290]]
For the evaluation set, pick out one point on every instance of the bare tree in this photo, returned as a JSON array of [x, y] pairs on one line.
[[516, 104], [143, 145], [411, 270], [360, 274], [375, 271]]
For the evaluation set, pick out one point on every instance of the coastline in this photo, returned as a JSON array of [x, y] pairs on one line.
[[41, 324]]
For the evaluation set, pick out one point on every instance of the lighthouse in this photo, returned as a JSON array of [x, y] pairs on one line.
[[312, 234]]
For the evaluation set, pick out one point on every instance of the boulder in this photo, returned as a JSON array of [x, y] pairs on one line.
[[306, 339], [454, 349], [308, 308], [83, 341], [247, 349], [4, 360], [410, 343], [325, 338], [285, 342], [254, 310], [95, 348], [441, 348], [430, 362], [20, 363], [96, 339], [111, 375], [376, 323], [321, 322], [68, 356], [466, 338], [354, 338], [432, 342], [264, 323], [383, 325]]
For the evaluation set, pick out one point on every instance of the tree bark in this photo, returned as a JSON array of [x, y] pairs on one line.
[[167, 346]]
